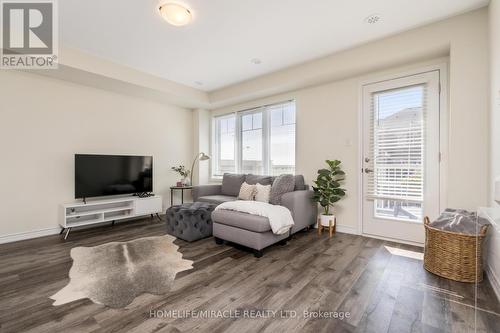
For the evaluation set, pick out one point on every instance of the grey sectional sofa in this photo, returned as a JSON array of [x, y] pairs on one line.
[[251, 230]]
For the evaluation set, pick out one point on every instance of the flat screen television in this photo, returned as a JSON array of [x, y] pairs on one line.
[[102, 175]]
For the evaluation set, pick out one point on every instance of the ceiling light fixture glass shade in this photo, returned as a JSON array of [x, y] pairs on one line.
[[175, 14]]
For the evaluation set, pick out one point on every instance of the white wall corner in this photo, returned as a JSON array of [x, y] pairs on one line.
[[201, 143], [494, 163]]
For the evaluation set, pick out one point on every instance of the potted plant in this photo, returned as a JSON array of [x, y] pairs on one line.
[[327, 190], [181, 170]]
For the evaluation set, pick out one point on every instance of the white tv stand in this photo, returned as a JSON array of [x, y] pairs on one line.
[[107, 210]]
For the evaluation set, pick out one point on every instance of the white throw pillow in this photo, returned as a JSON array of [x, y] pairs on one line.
[[262, 192], [247, 192]]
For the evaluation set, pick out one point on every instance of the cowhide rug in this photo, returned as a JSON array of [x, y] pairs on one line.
[[114, 274]]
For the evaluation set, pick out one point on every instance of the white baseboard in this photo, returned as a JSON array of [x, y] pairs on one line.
[[346, 229], [50, 231], [393, 240], [29, 235], [494, 280]]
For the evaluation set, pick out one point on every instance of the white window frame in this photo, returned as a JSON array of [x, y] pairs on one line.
[[266, 134], [265, 137], [214, 151]]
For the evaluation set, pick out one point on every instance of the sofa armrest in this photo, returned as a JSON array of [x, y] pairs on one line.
[[304, 210], [204, 190]]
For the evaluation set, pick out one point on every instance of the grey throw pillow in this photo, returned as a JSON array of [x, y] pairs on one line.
[[281, 185], [231, 184], [300, 184], [257, 179]]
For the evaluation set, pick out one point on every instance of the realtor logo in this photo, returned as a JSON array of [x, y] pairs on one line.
[[29, 34]]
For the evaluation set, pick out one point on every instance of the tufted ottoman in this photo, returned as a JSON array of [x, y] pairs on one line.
[[190, 221]]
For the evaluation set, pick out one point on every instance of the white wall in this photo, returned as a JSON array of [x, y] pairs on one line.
[[83, 68], [494, 20], [493, 239], [45, 121], [201, 128], [327, 115]]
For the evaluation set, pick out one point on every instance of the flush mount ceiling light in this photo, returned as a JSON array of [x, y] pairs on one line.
[[175, 14], [372, 19]]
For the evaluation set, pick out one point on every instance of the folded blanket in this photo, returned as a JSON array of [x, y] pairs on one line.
[[280, 218]]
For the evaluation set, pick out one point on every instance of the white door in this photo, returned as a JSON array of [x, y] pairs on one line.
[[401, 156]]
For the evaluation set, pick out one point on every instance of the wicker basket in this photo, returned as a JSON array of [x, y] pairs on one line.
[[454, 255]]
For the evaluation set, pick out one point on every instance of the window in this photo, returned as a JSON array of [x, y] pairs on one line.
[[252, 143], [398, 150], [224, 144], [257, 141], [282, 139]]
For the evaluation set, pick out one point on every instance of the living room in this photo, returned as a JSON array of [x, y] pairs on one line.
[[250, 166]]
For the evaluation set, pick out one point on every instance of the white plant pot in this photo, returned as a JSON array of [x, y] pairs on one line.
[[325, 220]]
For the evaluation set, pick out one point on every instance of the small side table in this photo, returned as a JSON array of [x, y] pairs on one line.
[[331, 227], [175, 188]]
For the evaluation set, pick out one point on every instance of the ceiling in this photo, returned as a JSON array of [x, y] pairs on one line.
[[216, 49]]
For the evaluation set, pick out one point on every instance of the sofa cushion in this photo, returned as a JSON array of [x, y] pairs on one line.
[[231, 184], [281, 185], [217, 199], [257, 179], [241, 220]]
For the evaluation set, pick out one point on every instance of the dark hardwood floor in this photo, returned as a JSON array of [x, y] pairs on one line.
[[382, 292]]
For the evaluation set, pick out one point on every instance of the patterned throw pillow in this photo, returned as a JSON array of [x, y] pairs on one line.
[[247, 192], [262, 193], [281, 185]]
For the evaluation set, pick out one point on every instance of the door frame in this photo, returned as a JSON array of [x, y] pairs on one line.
[[442, 67]]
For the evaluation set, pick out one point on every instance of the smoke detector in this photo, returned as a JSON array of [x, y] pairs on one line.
[[373, 18], [256, 61]]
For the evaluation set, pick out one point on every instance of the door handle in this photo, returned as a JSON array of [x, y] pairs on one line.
[[368, 170]]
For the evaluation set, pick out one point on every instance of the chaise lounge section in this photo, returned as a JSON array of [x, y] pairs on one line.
[[254, 231]]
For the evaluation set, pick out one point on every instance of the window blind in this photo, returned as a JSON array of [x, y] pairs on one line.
[[395, 160]]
